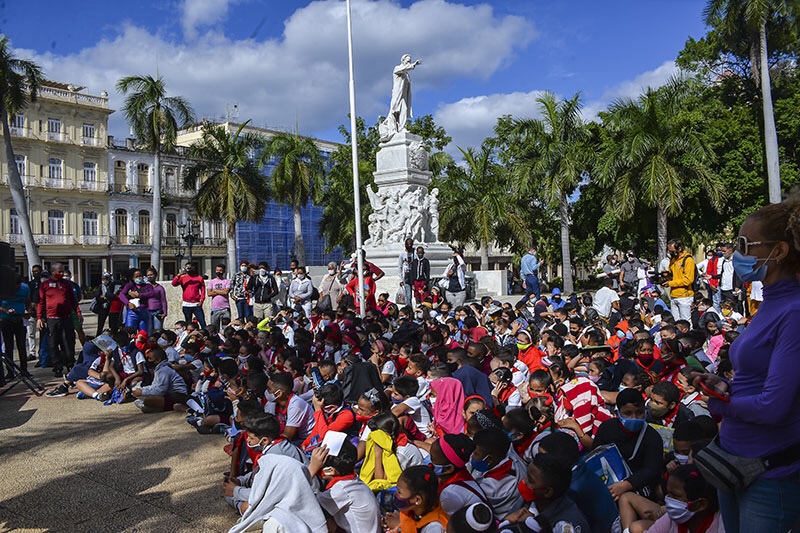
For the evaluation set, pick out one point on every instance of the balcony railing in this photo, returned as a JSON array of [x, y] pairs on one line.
[[20, 132], [213, 241], [53, 183], [57, 136], [93, 185], [46, 238], [73, 96], [14, 238], [94, 240], [135, 189], [27, 181], [90, 141]]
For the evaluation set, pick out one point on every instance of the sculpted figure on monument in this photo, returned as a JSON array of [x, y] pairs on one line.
[[400, 105]]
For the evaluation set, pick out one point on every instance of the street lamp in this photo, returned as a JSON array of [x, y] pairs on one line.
[[178, 249], [190, 233]]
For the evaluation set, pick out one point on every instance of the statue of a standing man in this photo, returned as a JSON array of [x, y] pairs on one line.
[[400, 106]]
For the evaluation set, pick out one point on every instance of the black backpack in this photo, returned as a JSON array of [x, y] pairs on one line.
[[697, 282]]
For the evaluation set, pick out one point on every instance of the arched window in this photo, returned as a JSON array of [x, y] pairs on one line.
[[121, 223], [144, 225]]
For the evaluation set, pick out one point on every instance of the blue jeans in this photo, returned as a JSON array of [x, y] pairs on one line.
[[138, 318], [531, 287], [243, 309], [197, 312], [408, 288], [768, 505], [155, 322], [44, 348], [716, 298]]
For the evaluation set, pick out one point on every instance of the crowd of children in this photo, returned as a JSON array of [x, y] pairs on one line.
[[482, 417]]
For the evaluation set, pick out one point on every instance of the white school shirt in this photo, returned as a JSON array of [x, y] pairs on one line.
[[352, 505], [131, 360], [299, 414], [419, 414], [502, 493], [454, 497]]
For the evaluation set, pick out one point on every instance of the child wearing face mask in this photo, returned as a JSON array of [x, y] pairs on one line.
[[690, 505], [418, 505], [457, 488], [497, 470], [330, 414]]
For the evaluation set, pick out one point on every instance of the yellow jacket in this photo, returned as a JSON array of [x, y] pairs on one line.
[[682, 275], [391, 466]]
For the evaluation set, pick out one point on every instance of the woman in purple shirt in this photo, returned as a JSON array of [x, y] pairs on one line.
[[760, 407], [157, 302], [137, 288]]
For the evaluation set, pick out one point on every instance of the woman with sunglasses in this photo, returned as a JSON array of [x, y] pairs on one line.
[[761, 409]]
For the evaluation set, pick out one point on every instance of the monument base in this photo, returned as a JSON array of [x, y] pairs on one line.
[[387, 258]]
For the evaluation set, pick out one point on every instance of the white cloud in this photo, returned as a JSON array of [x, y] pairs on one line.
[[303, 75], [198, 13], [470, 120]]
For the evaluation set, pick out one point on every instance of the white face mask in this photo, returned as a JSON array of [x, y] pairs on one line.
[[243, 268], [331, 272], [682, 459], [269, 396], [301, 276], [163, 342], [262, 271], [678, 510]]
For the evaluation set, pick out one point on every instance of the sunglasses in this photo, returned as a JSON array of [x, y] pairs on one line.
[[743, 245]]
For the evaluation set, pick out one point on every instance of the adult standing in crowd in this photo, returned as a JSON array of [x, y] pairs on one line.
[[219, 287], [135, 296], [105, 294], [421, 272], [730, 285], [629, 272], [404, 267], [56, 305], [194, 294], [300, 291], [239, 291], [529, 270], [13, 331], [455, 274], [264, 289], [330, 287], [157, 303], [761, 409], [682, 270]]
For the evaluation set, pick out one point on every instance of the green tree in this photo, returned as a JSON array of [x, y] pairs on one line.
[[552, 157], [651, 156], [19, 84], [474, 204], [297, 178], [155, 119], [231, 186], [732, 17]]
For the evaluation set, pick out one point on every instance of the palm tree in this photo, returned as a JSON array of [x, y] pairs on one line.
[[730, 15], [19, 84], [296, 179], [232, 188], [155, 119], [554, 155], [474, 203], [651, 156]]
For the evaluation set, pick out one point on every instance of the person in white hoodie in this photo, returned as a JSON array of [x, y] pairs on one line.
[[281, 499]]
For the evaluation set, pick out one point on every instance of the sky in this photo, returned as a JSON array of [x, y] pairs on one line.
[[284, 62]]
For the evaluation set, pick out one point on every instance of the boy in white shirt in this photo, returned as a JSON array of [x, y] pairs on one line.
[[406, 403]]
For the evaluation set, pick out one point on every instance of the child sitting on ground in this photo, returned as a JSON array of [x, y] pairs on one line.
[[167, 389], [417, 503]]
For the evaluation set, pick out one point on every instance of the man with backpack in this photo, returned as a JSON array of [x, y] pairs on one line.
[[682, 277]]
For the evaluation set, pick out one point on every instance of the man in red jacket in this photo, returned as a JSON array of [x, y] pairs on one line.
[[194, 294], [56, 304]]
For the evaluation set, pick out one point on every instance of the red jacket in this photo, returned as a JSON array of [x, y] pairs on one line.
[[194, 287], [56, 300]]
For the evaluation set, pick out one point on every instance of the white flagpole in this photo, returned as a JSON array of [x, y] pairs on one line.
[[356, 187]]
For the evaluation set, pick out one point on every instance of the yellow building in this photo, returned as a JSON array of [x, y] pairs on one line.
[[60, 149]]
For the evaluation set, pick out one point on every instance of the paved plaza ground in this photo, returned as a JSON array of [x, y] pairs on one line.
[[68, 465]]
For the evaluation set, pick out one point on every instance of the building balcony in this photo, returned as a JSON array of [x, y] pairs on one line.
[[54, 93], [14, 238], [212, 241], [94, 240], [93, 186], [123, 188], [54, 183], [27, 181], [91, 141], [46, 238], [179, 192], [59, 136], [21, 132], [130, 240]]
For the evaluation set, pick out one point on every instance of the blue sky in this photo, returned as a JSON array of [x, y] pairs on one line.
[[284, 62]]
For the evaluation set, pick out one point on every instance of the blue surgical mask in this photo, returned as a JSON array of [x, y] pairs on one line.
[[397, 401], [620, 334], [744, 266], [634, 425], [439, 469], [479, 465]]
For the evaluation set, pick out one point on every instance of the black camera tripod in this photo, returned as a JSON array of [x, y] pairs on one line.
[[20, 377]]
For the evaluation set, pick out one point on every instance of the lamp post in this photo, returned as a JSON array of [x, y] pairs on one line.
[[190, 233], [178, 252]]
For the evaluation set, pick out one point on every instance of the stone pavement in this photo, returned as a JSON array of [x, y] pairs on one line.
[[75, 465]]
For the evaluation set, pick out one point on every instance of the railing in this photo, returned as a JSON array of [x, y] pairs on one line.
[[100, 101], [124, 188], [53, 183], [90, 141], [20, 132], [14, 238], [27, 181], [57, 136], [93, 186], [120, 239], [212, 241], [46, 238], [94, 240], [178, 191]]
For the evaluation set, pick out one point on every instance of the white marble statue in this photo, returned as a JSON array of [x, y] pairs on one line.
[[400, 105]]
